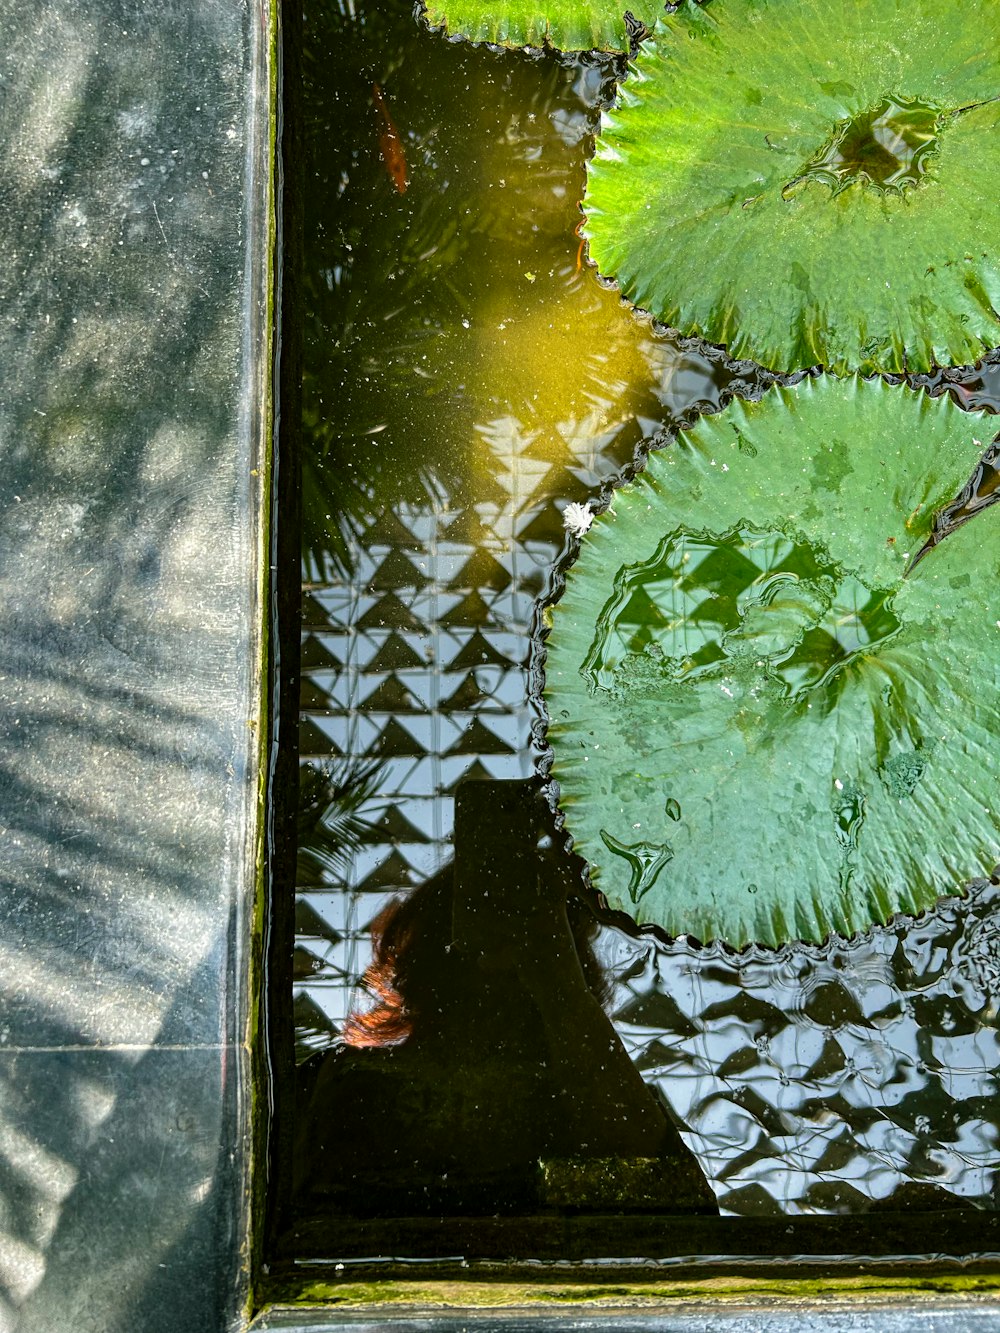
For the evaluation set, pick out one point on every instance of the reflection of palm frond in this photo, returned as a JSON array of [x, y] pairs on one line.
[[330, 823], [375, 370], [333, 506], [400, 293]]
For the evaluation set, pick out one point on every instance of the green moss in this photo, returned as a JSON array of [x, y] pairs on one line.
[[717, 1290]]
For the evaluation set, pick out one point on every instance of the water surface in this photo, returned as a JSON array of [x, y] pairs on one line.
[[467, 377]]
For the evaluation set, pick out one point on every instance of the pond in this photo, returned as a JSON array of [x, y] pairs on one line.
[[468, 376]]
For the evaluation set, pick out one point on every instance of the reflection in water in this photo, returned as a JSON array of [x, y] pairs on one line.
[[645, 860], [464, 383], [817, 1079], [886, 148], [458, 309], [486, 1048], [756, 603]]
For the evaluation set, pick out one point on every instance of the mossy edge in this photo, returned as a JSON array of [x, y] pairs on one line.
[[710, 1290]]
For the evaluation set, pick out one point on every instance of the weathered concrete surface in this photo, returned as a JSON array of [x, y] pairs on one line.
[[927, 1315], [134, 354]]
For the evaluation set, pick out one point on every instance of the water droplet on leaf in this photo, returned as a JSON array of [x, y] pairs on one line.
[[645, 861]]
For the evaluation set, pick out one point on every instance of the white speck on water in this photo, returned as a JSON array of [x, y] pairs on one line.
[[838, 784], [577, 518]]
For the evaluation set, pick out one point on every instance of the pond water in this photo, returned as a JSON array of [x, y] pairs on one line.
[[468, 376]]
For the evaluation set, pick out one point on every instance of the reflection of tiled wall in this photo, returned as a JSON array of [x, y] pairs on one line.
[[420, 661], [813, 1080], [429, 682]]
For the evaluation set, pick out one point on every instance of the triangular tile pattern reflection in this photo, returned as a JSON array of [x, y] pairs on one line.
[[817, 1080], [419, 661]]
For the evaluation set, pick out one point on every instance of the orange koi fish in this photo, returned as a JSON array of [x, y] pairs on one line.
[[390, 145]]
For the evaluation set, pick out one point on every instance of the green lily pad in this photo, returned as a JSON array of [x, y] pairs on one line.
[[762, 731], [810, 182], [567, 25]]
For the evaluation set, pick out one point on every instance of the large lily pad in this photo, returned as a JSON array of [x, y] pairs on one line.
[[568, 25], [811, 181], [762, 730]]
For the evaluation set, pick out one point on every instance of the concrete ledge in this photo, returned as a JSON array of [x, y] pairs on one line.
[[135, 220]]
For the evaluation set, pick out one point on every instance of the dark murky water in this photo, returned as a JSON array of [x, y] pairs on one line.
[[467, 377]]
